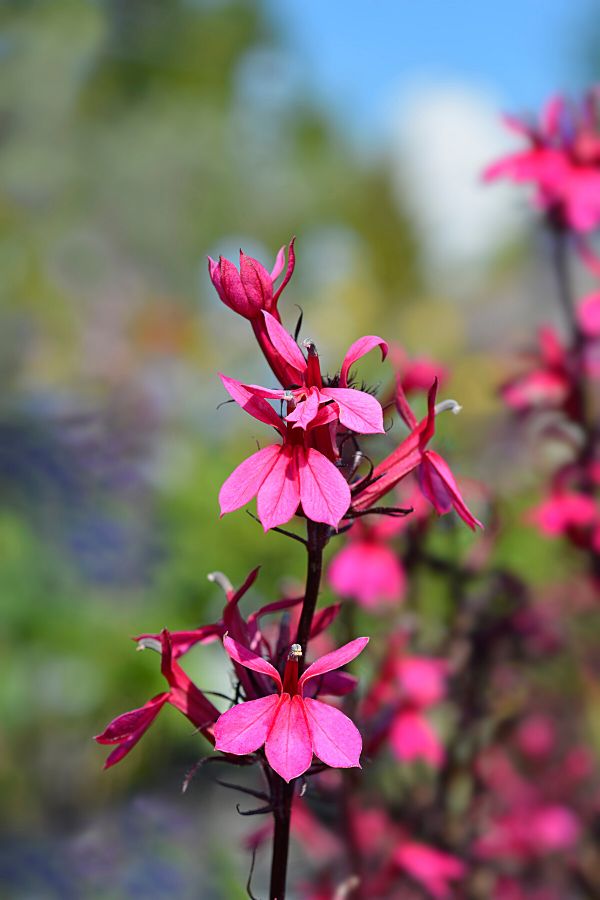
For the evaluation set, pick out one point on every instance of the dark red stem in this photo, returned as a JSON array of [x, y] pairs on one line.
[[281, 792]]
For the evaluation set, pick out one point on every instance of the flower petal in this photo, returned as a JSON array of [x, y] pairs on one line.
[[249, 401], [335, 659], [244, 482], [288, 272], [289, 746], [244, 728], [358, 410], [368, 571], [279, 494], [250, 660], [256, 282], [324, 492], [336, 740], [440, 487], [359, 348], [232, 292], [128, 728], [305, 411], [284, 343]]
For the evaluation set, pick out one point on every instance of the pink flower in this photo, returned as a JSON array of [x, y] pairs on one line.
[[412, 738], [283, 476], [367, 570], [127, 729], [562, 160], [547, 383], [250, 290], [432, 868], [356, 410], [249, 293], [291, 726], [563, 511], [422, 679], [588, 315], [435, 477]]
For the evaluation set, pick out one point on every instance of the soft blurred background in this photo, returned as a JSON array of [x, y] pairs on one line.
[[136, 137]]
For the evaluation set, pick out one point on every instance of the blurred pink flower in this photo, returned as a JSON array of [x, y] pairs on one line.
[[413, 738], [422, 679], [367, 570], [291, 726], [431, 868], [562, 161], [588, 315], [547, 383]]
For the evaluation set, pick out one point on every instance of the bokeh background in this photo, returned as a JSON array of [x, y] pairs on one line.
[[136, 137]]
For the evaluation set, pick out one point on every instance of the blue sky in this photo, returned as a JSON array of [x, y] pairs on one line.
[[362, 53]]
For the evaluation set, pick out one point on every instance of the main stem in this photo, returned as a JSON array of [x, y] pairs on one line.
[[282, 793]]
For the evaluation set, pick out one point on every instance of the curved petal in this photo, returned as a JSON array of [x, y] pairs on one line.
[[305, 411], [244, 728], [440, 487], [324, 492], [291, 263], [256, 282], [279, 264], [279, 494], [232, 292], [251, 402], [358, 411], [359, 348], [284, 343], [244, 482], [335, 739], [250, 660], [289, 746], [128, 728], [335, 659]]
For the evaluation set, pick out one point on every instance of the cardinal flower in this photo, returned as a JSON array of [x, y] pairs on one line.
[[435, 477], [367, 569], [283, 476], [251, 289], [249, 292], [430, 867], [562, 161], [291, 726], [127, 729], [355, 410]]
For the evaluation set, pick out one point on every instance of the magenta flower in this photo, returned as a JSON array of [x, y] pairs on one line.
[[562, 161], [431, 868], [547, 383], [127, 729], [356, 410], [588, 315], [435, 477], [367, 570], [291, 726], [250, 290], [283, 476], [412, 738]]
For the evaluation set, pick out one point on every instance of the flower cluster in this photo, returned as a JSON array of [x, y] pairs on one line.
[[313, 469]]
